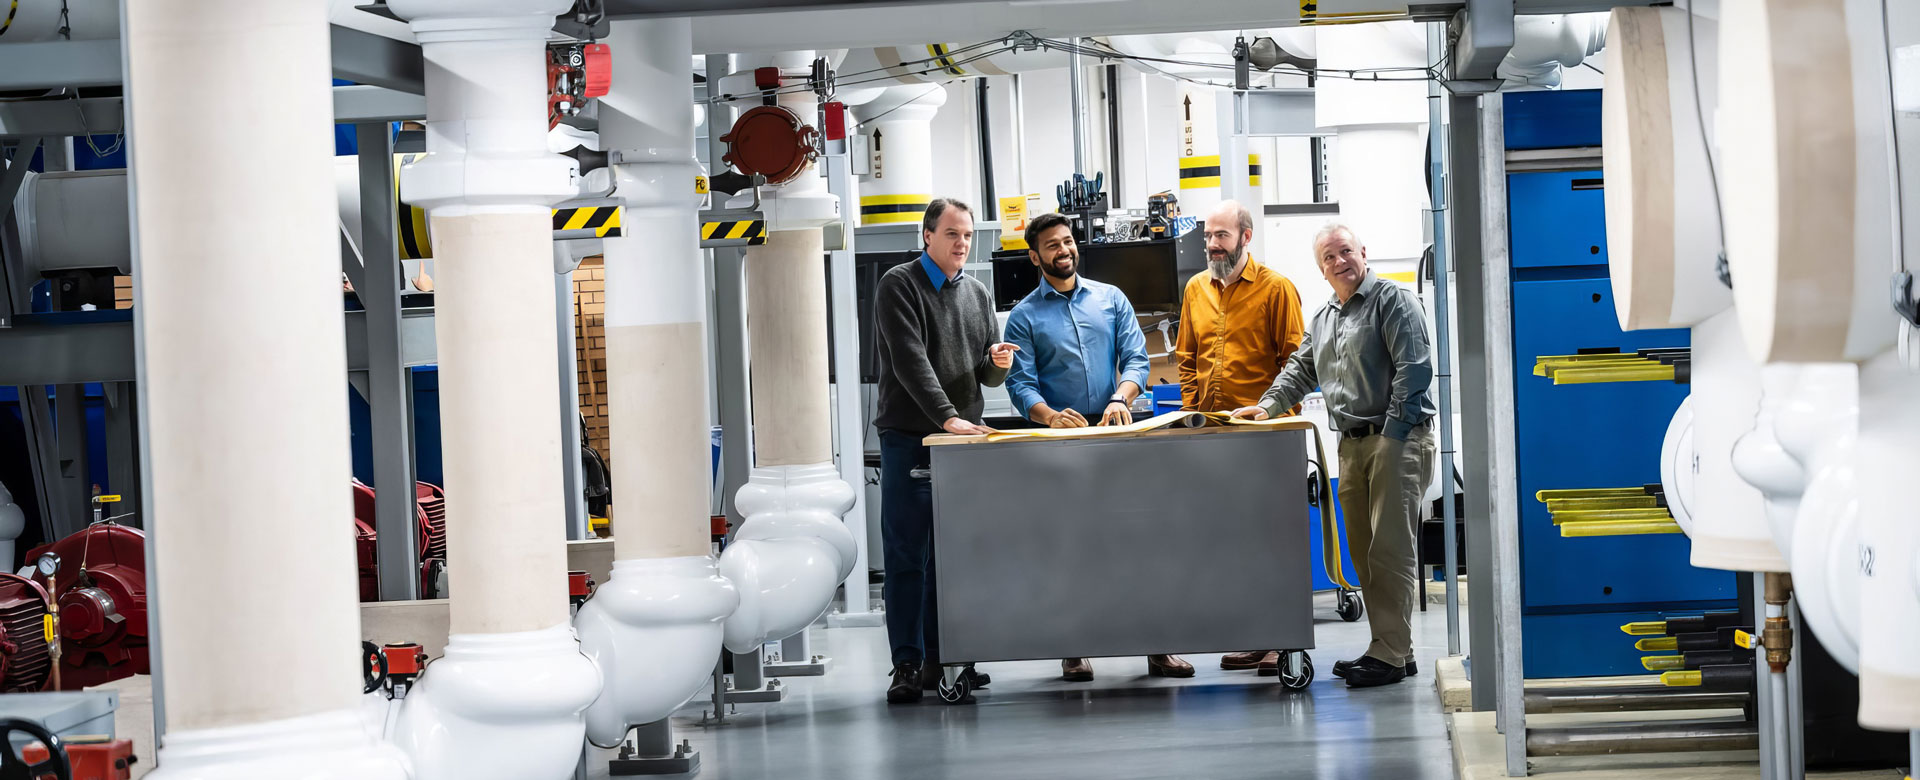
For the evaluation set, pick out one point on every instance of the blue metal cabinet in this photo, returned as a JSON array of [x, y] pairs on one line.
[[1558, 218]]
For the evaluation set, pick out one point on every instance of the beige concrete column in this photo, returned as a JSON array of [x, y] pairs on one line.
[[787, 324]]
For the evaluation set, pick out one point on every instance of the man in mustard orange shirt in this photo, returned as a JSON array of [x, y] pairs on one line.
[[1239, 322]]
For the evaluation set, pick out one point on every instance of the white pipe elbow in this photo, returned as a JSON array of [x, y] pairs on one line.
[[500, 705], [653, 629], [790, 555]]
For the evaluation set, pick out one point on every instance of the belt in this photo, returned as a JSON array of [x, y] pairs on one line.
[[1364, 430]]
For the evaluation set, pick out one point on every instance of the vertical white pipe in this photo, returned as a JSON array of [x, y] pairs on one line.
[[792, 549], [899, 126], [506, 699], [1077, 105], [243, 401], [655, 626]]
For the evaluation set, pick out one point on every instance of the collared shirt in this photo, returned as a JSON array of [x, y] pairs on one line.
[[1369, 356], [1075, 348], [939, 277], [1234, 338]]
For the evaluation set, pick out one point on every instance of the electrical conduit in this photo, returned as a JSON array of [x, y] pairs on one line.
[[655, 627], [506, 699], [242, 402]]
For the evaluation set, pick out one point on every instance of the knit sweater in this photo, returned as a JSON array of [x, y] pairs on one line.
[[932, 346]]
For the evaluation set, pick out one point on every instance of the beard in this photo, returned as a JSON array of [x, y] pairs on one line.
[[1221, 265], [1049, 269]]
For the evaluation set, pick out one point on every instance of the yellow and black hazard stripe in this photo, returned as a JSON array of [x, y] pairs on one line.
[[893, 209], [752, 231], [944, 60], [604, 221], [13, 9], [1203, 171]]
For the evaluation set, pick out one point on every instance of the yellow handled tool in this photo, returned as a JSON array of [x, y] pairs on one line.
[[1681, 679], [1609, 515], [1619, 527], [1651, 372], [1602, 502], [1663, 663], [1652, 644], [1620, 492]]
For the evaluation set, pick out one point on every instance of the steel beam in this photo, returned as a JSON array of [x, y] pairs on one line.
[[66, 116], [123, 450], [388, 403], [360, 104], [70, 435], [365, 58], [1463, 218], [359, 57], [33, 352]]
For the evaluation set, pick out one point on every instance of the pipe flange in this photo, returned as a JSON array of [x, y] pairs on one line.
[[771, 141]]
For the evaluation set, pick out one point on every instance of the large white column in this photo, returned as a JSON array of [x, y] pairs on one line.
[[506, 699], [792, 550], [1377, 167], [655, 626], [243, 403], [898, 123]]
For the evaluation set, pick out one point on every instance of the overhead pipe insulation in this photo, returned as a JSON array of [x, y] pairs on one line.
[[792, 550], [1663, 229], [1808, 179], [655, 626], [1546, 45], [506, 698], [237, 394]]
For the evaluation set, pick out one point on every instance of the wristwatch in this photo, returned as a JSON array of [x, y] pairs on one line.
[[1118, 399]]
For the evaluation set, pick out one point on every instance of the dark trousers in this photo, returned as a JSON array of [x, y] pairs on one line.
[[906, 528]]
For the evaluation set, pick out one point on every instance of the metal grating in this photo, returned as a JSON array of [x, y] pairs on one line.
[[434, 506], [31, 664]]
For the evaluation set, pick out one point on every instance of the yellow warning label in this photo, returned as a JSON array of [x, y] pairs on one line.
[[106, 499], [699, 185], [1743, 639]]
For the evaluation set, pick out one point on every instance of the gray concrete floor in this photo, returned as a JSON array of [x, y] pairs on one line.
[[1030, 724]]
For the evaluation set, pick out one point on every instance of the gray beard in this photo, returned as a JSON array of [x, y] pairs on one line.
[[1221, 269]]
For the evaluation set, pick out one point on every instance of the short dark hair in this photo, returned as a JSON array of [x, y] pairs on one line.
[[1038, 226], [937, 207]]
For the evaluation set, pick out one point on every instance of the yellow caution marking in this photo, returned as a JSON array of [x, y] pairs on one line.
[[1743, 639], [753, 230], [893, 209], [699, 185], [106, 499], [1202, 171]]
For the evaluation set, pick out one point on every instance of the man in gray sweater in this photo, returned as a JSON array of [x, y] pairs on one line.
[[938, 343]]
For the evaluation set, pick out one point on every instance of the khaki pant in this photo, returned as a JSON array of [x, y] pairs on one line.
[[1382, 483]]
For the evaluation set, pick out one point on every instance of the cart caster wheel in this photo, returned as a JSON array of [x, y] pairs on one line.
[[958, 690], [1351, 607], [1295, 682]]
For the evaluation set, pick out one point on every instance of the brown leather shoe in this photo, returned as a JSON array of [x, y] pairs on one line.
[[1168, 666], [1247, 660], [1076, 670], [1270, 665]]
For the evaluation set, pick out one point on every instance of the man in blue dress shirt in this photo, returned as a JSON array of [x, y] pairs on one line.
[[1079, 356]]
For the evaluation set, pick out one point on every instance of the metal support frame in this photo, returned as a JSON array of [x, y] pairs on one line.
[[751, 684], [389, 404], [69, 116], [75, 481], [849, 422], [1464, 209], [796, 658], [1077, 105], [729, 330], [36, 416], [1500, 452], [360, 57], [123, 450], [1443, 327], [650, 750], [572, 471]]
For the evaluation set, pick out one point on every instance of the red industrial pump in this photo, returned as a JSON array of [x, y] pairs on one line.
[[431, 512], [26, 654], [101, 587]]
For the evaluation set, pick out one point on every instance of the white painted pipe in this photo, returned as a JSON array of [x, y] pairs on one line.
[[792, 550], [1676, 465], [507, 699], [655, 626], [1762, 460], [1807, 176], [1381, 139], [1885, 465], [1546, 45], [898, 124], [235, 394], [1663, 233], [13, 522], [1729, 530], [1819, 427], [29, 21]]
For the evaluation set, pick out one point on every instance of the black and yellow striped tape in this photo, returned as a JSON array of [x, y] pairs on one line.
[[893, 209], [12, 10], [754, 231], [945, 61], [604, 221], [1203, 171]]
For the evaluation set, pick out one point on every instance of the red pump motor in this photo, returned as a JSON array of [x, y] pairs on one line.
[[431, 513], [102, 590], [26, 658]]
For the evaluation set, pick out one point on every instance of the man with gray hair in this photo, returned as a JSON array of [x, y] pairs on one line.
[[1367, 350]]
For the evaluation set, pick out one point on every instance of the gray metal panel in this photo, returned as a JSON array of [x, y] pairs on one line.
[[1464, 207], [39, 354], [389, 400], [1485, 32], [65, 713], [365, 58], [1282, 112], [62, 63], [359, 103], [61, 117], [1166, 543]]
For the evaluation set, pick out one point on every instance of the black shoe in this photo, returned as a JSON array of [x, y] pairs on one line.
[[1340, 668], [1368, 672], [930, 677], [977, 680], [906, 683]]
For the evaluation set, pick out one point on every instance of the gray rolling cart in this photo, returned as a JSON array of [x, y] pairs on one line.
[[1178, 540]]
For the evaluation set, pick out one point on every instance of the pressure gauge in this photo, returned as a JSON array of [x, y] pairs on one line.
[[48, 564]]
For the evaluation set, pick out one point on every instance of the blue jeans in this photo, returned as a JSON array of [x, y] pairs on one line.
[[906, 528]]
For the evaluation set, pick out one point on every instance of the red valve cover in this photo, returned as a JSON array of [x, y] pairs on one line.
[[770, 141]]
